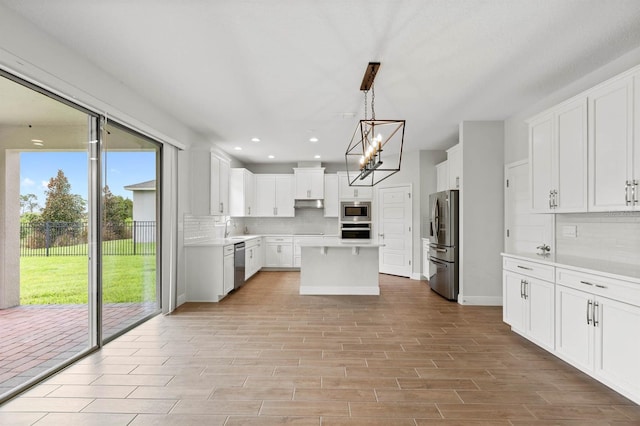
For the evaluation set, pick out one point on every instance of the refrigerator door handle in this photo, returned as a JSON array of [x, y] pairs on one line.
[[438, 262]]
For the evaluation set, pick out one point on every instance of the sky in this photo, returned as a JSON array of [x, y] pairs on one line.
[[122, 169]]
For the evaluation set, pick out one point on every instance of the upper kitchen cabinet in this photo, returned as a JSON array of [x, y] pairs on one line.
[[309, 183], [331, 195], [614, 168], [348, 192], [241, 193], [274, 195], [558, 158], [209, 188], [219, 190], [442, 176], [454, 167]]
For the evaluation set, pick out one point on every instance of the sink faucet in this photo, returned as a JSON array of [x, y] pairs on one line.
[[226, 231]]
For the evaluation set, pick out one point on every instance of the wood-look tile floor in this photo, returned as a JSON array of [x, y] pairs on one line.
[[268, 356]]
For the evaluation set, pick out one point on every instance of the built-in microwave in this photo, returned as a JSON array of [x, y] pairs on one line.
[[355, 211]]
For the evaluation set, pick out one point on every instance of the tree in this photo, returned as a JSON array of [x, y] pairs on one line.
[[28, 203], [61, 205], [115, 207]]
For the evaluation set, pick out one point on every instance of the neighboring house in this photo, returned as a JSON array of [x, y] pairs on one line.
[[144, 210]]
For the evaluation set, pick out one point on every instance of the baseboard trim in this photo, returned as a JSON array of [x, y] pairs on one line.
[[182, 298], [480, 300], [417, 276], [339, 291]]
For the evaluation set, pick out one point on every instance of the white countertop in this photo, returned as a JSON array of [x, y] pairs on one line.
[[610, 269], [215, 242], [338, 242]]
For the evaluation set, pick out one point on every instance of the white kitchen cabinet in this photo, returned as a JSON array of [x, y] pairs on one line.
[[594, 318], [219, 188], [528, 300], [241, 193], [613, 185], [274, 196], [558, 159], [442, 176], [309, 183], [253, 257], [278, 252], [297, 250], [347, 192], [229, 268], [331, 195], [454, 166], [205, 273]]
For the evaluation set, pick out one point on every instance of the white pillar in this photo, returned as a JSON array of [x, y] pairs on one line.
[[9, 228]]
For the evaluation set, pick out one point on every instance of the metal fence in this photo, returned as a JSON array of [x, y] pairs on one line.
[[70, 238]]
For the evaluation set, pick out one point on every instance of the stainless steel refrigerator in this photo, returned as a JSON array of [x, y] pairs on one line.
[[443, 243]]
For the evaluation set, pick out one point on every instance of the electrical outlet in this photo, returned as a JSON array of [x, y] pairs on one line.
[[570, 231]]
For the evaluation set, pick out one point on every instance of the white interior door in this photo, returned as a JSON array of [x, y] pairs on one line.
[[394, 230], [524, 230]]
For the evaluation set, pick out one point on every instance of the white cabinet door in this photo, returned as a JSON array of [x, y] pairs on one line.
[[618, 352], [286, 255], [309, 183], [542, 158], [570, 174], [539, 298], [610, 146], [454, 161], [228, 273], [265, 195], [284, 197], [442, 176], [513, 310], [574, 335], [272, 255], [241, 192], [331, 197], [219, 187]]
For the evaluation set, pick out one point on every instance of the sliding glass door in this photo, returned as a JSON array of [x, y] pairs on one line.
[[130, 244], [79, 234]]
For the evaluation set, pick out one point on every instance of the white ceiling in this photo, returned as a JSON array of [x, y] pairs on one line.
[[286, 70]]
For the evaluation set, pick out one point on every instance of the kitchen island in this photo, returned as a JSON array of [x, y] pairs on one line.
[[337, 267]]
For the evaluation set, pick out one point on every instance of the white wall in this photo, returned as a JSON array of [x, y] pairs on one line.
[[481, 212], [515, 129]]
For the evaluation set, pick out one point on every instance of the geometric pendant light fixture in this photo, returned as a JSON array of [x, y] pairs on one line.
[[375, 150]]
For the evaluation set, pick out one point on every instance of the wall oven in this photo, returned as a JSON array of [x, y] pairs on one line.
[[355, 211], [355, 231]]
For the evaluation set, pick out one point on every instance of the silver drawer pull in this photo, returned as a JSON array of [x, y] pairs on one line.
[[585, 283], [601, 286], [524, 267]]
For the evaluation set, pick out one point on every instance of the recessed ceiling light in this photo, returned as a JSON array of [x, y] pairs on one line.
[[238, 148], [37, 140], [316, 156], [255, 139], [313, 139], [38, 144], [271, 156]]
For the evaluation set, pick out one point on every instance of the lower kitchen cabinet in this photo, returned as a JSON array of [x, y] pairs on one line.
[[253, 257], [208, 276], [599, 334], [528, 307], [278, 252], [228, 277]]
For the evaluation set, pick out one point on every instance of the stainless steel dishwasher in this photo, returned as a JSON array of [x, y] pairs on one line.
[[239, 265]]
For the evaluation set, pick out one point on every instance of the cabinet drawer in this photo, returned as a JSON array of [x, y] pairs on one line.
[[278, 240], [532, 269], [623, 291], [228, 249], [252, 242]]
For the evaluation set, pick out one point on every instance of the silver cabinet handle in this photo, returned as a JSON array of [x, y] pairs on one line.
[[249, 209], [585, 283], [601, 286], [279, 249], [521, 289], [526, 289], [220, 207], [595, 313], [633, 192], [589, 304], [550, 201], [626, 193], [524, 267], [555, 198]]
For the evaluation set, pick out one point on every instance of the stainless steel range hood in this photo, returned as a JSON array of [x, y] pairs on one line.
[[309, 204]]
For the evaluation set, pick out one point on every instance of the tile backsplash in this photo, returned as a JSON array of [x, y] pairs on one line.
[[203, 228], [613, 237]]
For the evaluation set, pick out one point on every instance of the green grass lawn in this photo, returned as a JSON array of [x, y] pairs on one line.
[[64, 279]]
